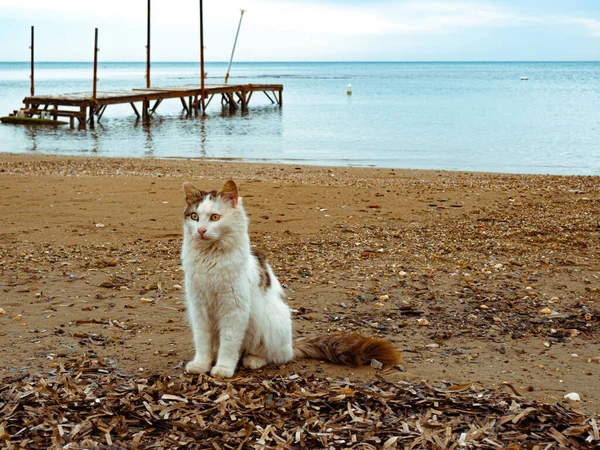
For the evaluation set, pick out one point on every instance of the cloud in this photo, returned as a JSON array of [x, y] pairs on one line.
[[592, 25], [286, 29], [339, 18], [380, 18]]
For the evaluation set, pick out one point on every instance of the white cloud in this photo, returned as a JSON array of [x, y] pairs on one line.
[[378, 18], [592, 25], [369, 18], [273, 29]]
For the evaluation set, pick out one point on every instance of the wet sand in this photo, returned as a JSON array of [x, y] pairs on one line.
[[477, 278]]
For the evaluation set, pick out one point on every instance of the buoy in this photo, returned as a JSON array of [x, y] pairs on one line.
[[349, 89], [524, 78]]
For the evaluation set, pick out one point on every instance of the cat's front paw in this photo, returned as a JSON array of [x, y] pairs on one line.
[[222, 371], [195, 366]]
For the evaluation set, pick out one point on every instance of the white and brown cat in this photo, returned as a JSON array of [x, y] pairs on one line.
[[235, 303]]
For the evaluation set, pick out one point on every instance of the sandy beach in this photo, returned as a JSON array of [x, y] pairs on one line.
[[479, 279]]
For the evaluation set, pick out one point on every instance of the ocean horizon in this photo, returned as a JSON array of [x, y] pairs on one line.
[[472, 116]]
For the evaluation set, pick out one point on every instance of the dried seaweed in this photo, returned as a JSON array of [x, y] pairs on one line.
[[85, 403]]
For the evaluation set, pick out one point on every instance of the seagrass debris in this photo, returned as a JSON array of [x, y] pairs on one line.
[[87, 403], [30, 121]]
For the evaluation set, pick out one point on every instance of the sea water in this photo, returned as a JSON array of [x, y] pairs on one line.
[[474, 116]]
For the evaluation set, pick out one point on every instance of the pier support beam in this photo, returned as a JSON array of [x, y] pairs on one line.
[[135, 110], [145, 108], [232, 103]]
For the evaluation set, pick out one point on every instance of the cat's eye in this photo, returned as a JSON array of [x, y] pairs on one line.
[[214, 217], [194, 216]]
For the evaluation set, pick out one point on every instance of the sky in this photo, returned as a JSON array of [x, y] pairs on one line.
[[313, 30]]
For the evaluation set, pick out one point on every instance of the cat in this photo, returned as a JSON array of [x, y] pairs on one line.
[[235, 302]]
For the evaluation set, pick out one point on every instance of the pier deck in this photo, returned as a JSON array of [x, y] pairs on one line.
[[86, 108]]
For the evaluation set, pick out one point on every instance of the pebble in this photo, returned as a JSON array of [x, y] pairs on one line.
[[376, 364], [2, 311], [498, 266], [99, 225], [422, 322], [595, 359], [546, 311], [573, 396]]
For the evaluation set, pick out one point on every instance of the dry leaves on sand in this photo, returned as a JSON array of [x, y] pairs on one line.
[[89, 404]]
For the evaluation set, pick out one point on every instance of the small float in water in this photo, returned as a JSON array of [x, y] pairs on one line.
[[524, 78]]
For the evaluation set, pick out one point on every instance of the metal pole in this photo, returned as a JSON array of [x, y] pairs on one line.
[[148, 50], [234, 43], [95, 63], [202, 59], [32, 89]]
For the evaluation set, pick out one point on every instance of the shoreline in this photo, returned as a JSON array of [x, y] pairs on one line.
[[455, 268], [7, 156]]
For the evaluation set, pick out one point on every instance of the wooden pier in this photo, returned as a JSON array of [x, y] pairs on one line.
[[87, 108]]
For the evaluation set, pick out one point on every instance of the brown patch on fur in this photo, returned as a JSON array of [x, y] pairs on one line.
[[194, 196], [347, 349], [265, 277]]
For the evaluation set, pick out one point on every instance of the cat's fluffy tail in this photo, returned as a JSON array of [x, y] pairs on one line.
[[348, 349]]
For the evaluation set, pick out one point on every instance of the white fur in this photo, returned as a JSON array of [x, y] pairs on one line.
[[230, 314]]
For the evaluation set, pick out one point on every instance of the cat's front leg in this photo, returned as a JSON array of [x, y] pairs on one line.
[[233, 328], [204, 357]]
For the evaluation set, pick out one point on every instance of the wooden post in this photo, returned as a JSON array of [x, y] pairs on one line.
[[148, 50], [32, 89], [242, 95], [81, 116], [94, 91], [202, 59], [95, 64], [232, 103]]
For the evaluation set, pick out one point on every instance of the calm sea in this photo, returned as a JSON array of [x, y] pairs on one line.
[[454, 116]]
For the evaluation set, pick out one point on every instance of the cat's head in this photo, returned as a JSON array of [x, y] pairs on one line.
[[213, 216]]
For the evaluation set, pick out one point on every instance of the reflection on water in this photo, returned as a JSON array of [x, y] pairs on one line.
[[237, 135], [32, 135]]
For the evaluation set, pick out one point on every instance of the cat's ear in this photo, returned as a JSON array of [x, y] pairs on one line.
[[192, 194], [230, 192]]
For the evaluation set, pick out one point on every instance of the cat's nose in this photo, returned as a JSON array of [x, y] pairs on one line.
[[201, 232]]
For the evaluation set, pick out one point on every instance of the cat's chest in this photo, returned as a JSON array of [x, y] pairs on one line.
[[204, 269]]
